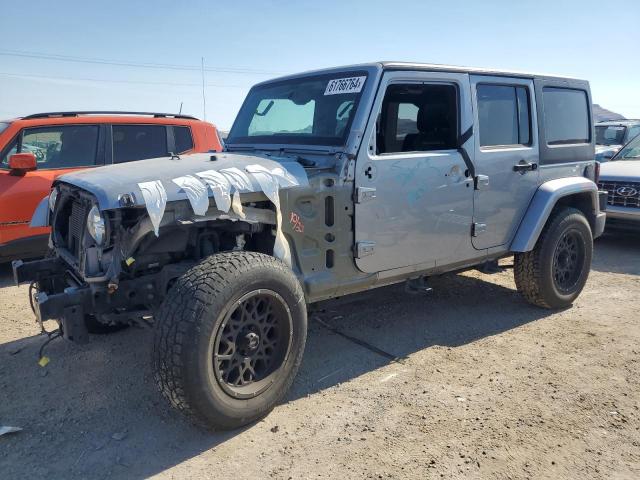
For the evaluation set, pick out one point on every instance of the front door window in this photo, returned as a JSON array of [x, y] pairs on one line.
[[68, 146]]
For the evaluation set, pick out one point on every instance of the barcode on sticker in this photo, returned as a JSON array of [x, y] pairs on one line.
[[345, 85]]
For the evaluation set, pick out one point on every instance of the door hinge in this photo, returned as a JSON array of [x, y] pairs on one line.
[[350, 171], [364, 249], [478, 228], [364, 194]]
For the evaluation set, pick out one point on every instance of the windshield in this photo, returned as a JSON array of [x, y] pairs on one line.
[[314, 110], [3, 126], [610, 134], [631, 151]]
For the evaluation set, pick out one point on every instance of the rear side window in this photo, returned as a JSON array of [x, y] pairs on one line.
[[138, 142], [504, 115], [183, 139], [566, 116], [66, 146]]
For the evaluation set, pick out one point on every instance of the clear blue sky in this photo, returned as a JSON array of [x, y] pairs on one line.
[[595, 40]]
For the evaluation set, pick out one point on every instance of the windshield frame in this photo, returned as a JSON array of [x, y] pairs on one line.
[[299, 142], [633, 143]]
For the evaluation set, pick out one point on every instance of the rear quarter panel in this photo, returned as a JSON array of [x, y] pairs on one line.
[[205, 137]]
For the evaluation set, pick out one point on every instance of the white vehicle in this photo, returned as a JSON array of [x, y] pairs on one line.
[[621, 179]]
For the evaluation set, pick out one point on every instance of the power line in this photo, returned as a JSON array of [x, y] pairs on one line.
[[122, 63], [135, 82]]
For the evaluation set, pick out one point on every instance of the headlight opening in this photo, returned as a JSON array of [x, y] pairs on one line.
[[53, 196], [96, 225]]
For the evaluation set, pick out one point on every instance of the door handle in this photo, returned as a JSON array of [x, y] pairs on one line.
[[524, 166]]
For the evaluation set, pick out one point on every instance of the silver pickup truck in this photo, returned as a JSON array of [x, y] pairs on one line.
[[332, 182]]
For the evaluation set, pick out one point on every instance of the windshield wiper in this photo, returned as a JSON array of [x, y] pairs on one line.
[[266, 109]]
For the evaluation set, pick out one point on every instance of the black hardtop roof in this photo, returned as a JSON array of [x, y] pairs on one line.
[[390, 65], [393, 65]]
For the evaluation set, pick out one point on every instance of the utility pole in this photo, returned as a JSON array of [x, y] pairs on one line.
[[204, 99]]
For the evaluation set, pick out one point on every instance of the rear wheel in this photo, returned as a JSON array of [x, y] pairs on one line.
[[554, 273], [229, 338]]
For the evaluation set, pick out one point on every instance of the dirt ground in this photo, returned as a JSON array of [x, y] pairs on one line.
[[466, 382]]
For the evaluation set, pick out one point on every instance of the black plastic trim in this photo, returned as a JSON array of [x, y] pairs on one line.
[[106, 112]]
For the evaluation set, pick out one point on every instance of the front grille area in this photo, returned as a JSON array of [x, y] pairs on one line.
[[76, 228], [622, 194], [69, 223]]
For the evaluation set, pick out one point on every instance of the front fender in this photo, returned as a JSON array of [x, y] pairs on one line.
[[545, 199]]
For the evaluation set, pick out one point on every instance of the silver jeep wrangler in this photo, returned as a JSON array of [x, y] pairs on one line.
[[332, 182]]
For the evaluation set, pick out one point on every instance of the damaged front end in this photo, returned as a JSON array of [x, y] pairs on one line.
[[114, 265]]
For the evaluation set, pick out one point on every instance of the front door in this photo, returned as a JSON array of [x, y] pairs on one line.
[[506, 157], [414, 193]]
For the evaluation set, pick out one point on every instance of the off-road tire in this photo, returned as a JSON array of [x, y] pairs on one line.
[[534, 270], [191, 316]]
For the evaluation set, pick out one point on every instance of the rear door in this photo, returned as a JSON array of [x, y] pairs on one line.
[[131, 142], [414, 193], [58, 150], [506, 156]]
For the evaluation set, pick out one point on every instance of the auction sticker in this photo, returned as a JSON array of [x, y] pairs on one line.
[[345, 85]]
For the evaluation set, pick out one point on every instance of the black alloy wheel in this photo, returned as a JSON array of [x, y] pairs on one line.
[[252, 343]]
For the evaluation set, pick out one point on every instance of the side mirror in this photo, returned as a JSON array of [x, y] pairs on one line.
[[21, 163]]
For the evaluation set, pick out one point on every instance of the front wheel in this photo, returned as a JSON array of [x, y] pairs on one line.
[[229, 338], [554, 273]]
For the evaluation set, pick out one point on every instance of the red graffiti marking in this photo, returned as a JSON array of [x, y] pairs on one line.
[[296, 223]]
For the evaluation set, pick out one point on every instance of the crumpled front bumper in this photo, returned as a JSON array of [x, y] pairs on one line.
[[71, 299], [67, 307]]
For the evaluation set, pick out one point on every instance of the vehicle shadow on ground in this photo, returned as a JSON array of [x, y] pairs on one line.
[[617, 252], [6, 275], [96, 412]]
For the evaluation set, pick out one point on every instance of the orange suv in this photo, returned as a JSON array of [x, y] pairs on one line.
[[37, 149]]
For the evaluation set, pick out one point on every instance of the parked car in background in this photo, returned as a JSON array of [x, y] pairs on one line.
[[612, 135], [621, 179], [37, 149]]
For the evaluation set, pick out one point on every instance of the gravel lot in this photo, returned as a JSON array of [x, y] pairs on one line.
[[483, 386]]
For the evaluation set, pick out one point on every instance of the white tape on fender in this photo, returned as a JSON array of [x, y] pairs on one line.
[[236, 205], [155, 199], [271, 181], [237, 178], [220, 187], [196, 192], [270, 186]]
